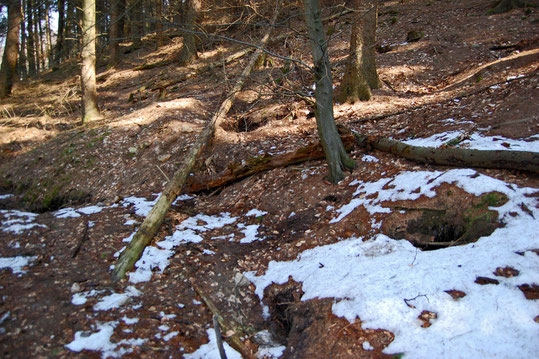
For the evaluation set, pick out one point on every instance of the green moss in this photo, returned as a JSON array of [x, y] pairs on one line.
[[492, 199]]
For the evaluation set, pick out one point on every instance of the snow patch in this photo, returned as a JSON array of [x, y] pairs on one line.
[[399, 281], [210, 350], [16, 264]]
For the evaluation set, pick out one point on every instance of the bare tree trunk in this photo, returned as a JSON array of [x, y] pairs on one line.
[[334, 150], [354, 86], [48, 33], [60, 38], [153, 220], [23, 69], [11, 49], [369, 43], [517, 160], [88, 81], [114, 43], [189, 51], [40, 37], [30, 44]]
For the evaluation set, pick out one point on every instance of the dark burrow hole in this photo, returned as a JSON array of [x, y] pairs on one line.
[[281, 300], [244, 124], [430, 229]]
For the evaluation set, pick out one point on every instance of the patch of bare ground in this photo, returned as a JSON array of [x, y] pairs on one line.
[[50, 161]]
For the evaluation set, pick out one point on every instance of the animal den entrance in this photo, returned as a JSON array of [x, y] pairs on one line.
[[454, 217]]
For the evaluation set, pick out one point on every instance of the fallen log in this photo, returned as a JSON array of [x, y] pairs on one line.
[[153, 220], [458, 157], [266, 162]]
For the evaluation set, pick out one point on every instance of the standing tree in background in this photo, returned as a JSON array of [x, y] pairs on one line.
[[369, 43], [189, 51], [11, 48], [114, 33], [88, 81], [58, 47], [360, 75], [334, 150]]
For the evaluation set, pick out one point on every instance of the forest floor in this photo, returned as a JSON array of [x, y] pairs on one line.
[[347, 284]]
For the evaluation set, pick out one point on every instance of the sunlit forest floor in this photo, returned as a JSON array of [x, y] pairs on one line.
[[471, 75]]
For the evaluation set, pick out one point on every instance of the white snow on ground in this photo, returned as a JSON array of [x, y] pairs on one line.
[[256, 213], [189, 231], [372, 279], [100, 341], [5, 196], [115, 300], [76, 212], [18, 221], [210, 350], [369, 158], [142, 205], [16, 264], [477, 141]]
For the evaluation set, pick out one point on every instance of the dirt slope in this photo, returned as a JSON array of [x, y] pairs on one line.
[[48, 160]]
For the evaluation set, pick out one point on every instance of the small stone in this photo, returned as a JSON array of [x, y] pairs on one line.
[[486, 280], [133, 150], [75, 288], [241, 280], [164, 158]]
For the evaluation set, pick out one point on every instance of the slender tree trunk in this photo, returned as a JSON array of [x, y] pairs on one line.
[[158, 25], [114, 43], [369, 43], [334, 150], [8, 69], [40, 36], [48, 33], [88, 82], [354, 86], [189, 51], [60, 38], [23, 69], [30, 44]]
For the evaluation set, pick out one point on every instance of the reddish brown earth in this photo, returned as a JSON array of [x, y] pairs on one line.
[[49, 161]]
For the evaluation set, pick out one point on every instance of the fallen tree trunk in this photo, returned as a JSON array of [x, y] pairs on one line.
[[238, 171], [153, 220], [459, 157]]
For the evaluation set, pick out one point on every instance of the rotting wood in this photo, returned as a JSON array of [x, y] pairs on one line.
[[245, 347], [460, 157], [236, 172], [153, 220]]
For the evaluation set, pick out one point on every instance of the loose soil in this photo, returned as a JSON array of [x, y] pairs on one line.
[[49, 160]]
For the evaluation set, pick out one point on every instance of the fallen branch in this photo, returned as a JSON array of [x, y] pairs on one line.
[[245, 348], [460, 157], [153, 220]]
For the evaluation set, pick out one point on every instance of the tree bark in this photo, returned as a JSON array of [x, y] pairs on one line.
[[23, 70], [189, 51], [354, 86], [114, 43], [153, 220], [88, 81], [11, 49], [60, 37], [30, 44], [334, 150], [369, 43], [460, 157]]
